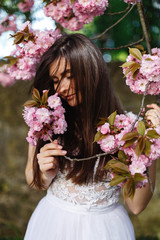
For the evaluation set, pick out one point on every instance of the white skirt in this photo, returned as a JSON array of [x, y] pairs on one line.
[[56, 219]]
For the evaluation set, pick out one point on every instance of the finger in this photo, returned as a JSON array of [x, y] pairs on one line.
[[49, 153], [47, 167], [153, 105], [154, 121], [52, 145], [153, 112], [46, 160]]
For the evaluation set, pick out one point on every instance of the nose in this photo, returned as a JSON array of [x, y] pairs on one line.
[[63, 87]]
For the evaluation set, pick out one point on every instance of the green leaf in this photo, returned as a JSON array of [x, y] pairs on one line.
[[3, 62], [141, 128], [140, 47], [152, 134], [117, 167], [135, 53], [138, 177], [134, 68], [135, 74], [127, 71], [98, 136], [112, 117], [102, 121], [147, 148], [122, 156], [129, 189], [140, 146], [117, 179], [130, 142], [130, 136], [127, 64], [148, 59]]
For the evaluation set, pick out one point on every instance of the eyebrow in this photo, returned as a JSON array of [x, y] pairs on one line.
[[63, 73]]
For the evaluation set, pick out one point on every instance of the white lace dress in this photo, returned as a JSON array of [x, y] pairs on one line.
[[74, 212]]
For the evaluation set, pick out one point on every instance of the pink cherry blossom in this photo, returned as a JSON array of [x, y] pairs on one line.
[[45, 121], [28, 53], [149, 72], [137, 167], [105, 128], [8, 23], [132, 1], [54, 101], [25, 5], [74, 15]]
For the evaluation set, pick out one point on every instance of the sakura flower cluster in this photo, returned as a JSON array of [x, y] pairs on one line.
[[8, 24], [112, 135], [45, 121], [141, 70], [138, 144], [28, 51], [74, 14], [25, 5], [132, 1]]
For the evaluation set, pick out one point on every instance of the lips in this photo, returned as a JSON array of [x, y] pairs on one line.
[[70, 97]]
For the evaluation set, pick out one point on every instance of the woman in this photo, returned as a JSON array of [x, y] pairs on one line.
[[80, 204]]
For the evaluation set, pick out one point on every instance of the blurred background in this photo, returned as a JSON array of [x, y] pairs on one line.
[[17, 200]]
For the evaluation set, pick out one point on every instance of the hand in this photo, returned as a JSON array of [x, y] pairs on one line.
[[153, 115], [48, 160]]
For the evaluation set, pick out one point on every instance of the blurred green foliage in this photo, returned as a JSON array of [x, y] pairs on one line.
[[127, 31]]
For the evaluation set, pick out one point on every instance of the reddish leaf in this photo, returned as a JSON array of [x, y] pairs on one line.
[[140, 146], [36, 94], [30, 103]]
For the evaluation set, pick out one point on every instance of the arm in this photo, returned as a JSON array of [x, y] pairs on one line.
[[142, 195], [47, 160]]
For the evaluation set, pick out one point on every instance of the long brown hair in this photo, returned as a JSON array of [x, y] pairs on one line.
[[98, 99]]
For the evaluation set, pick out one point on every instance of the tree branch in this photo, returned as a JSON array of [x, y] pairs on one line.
[[144, 28], [117, 13], [102, 34], [125, 46]]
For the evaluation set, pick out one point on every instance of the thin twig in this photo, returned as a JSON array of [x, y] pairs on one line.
[[102, 34], [92, 157], [149, 180], [117, 13], [125, 46], [141, 108]]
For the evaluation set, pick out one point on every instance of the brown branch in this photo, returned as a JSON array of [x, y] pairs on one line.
[[92, 157], [102, 34], [125, 46], [144, 28], [117, 13], [141, 108]]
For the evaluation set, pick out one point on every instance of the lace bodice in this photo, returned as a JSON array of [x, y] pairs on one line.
[[96, 193]]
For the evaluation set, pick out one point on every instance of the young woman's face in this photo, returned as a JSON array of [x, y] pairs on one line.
[[63, 81]]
